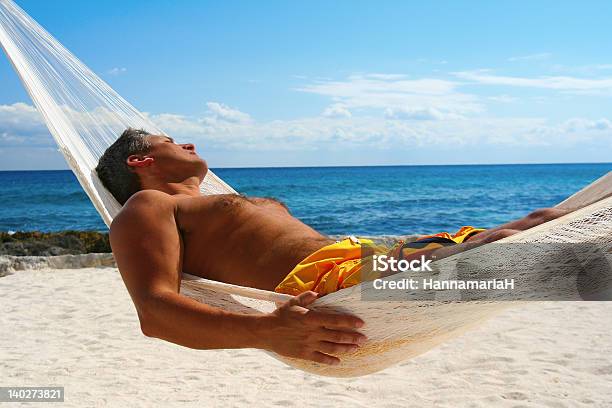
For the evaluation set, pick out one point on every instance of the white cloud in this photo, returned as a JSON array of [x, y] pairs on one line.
[[386, 77], [369, 111], [430, 61], [378, 132], [503, 98], [586, 125], [531, 57], [21, 124], [337, 110], [603, 67], [602, 124], [561, 83], [219, 111], [382, 92], [590, 69], [117, 71], [415, 114]]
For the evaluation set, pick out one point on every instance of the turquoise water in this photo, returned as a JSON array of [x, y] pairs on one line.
[[334, 200]]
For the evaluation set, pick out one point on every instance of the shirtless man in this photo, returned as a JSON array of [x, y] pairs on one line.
[[166, 227]]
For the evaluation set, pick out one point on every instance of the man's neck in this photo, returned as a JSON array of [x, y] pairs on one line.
[[190, 187]]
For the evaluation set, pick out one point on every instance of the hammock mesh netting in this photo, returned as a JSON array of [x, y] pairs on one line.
[[85, 116]]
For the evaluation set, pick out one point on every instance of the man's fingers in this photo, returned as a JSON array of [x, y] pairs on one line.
[[342, 321], [303, 299], [336, 348], [339, 336], [322, 358]]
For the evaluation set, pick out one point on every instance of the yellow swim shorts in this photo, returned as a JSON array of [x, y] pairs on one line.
[[339, 265]]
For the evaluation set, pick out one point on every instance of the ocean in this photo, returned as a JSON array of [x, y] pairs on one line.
[[385, 200]]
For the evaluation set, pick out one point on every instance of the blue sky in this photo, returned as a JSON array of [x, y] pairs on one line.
[[343, 82]]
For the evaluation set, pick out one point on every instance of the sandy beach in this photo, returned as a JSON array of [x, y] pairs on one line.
[[229, 141], [77, 328]]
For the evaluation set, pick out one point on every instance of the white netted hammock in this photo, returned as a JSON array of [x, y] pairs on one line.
[[85, 116]]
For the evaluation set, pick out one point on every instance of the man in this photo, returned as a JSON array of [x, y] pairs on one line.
[[166, 227]]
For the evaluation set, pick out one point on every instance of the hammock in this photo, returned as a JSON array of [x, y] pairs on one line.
[[85, 116]]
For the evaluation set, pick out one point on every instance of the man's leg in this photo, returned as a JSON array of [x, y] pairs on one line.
[[443, 252], [535, 218]]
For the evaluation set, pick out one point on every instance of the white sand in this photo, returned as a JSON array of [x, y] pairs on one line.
[[78, 328]]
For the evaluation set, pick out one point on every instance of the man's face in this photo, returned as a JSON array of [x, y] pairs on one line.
[[173, 162]]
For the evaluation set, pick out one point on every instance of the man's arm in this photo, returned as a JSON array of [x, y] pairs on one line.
[[147, 247]]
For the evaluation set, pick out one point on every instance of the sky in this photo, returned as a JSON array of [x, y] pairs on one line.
[[322, 83]]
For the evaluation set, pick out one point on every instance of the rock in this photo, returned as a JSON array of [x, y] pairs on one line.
[[37, 243], [10, 264]]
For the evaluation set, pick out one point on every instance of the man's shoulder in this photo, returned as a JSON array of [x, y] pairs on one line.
[[144, 206], [147, 197]]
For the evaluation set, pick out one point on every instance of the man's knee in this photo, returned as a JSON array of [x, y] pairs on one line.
[[546, 214]]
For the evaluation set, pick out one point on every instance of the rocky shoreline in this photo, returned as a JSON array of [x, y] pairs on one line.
[[36, 243], [10, 264]]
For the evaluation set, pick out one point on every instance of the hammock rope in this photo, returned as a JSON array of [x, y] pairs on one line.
[[84, 116]]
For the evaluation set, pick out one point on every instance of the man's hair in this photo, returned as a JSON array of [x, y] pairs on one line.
[[112, 167]]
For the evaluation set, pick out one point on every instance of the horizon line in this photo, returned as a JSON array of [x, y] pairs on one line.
[[366, 165]]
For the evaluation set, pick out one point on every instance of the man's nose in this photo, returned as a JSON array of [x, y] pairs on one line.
[[188, 146]]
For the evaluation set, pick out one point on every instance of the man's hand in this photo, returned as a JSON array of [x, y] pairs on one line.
[[294, 331]]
